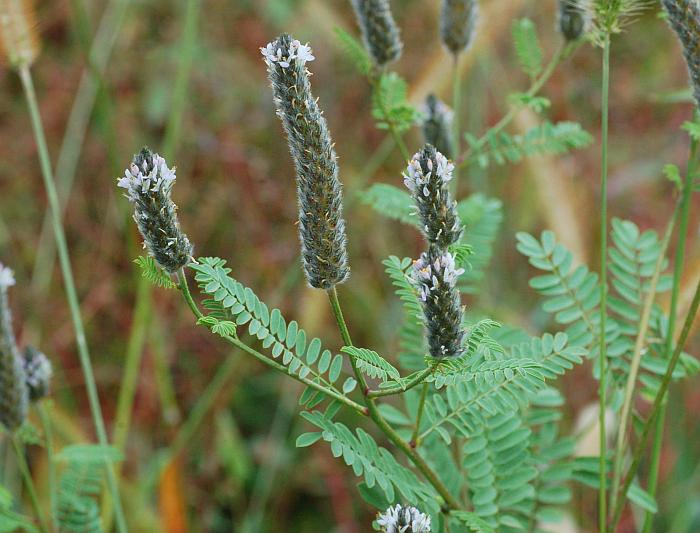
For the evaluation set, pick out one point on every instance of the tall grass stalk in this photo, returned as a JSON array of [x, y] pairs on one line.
[[602, 394], [74, 137], [69, 282], [691, 169], [620, 445], [650, 422]]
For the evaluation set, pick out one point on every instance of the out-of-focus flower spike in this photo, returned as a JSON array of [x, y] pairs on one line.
[[575, 18], [437, 125], [684, 18], [19, 36], [379, 31], [38, 372], [458, 20]]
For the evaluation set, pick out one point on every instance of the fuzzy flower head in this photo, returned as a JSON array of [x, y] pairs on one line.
[[575, 18], [684, 18], [7, 277], [14, 396], [319, 192], [437, 125], [458, 20], [379, 31], [296, 52], [38, 372], [427, 177], [148, 183], [399, 519], [435, 276]]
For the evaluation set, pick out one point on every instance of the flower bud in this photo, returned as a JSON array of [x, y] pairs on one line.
[[320, 195], [437, 125], [379, 31], [574, 19], [684, 18], [458, 24], [435, 276], [400, 519], [427, 177], [14, 399], [148, 182], [38, 372]]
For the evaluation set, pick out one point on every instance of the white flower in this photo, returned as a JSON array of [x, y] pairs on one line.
[[400, 519], [415, 179], [428, 276], [138, 181], [300, 53], [439, 109], [7, 277]]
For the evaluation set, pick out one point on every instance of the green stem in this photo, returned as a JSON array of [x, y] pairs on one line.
[[639, 450], [379, 420], [398, 139], [413, 382], [562, 53], [184, 289], [52, 477], [691, 168], [421, 405], [71, 293], [28, 482], [456, 108], [602, 362], [636, 360]]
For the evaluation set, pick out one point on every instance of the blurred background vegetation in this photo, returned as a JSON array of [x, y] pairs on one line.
[[186, 78]]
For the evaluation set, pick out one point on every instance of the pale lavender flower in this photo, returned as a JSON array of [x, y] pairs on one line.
[[7, 277]]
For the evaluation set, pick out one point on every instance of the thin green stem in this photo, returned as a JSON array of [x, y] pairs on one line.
[[28, 482], [71, 293], [413, 382], [637, 359], [74, 137], [691, 168], [379, 420], [421, 405], [456, 125], [395, 133], [602, 362], [184, 289], [563, 52], [639, 450], [52, 477]]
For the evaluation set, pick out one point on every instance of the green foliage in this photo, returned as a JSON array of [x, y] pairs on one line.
[[412, 343], [223, 328], [354, 51], [10, 521], [482, 217], [375, 464], [390, 106], [80, 485], [527, 46], [371, 363], [572, 294], [472, 521], [153, 273], [536, 103], [302, 356], [545, 138], [391, 202]]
